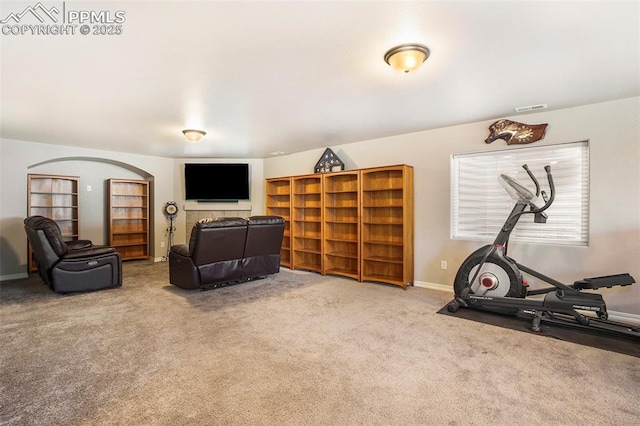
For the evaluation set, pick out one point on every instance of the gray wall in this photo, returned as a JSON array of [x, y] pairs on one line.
[[92, 204], [612, 129], [18, 158], [94, 167]]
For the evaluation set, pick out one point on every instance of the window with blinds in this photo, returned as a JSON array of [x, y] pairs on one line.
[[479, 205]]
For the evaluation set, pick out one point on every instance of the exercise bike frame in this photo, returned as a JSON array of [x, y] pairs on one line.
[[562, 302]]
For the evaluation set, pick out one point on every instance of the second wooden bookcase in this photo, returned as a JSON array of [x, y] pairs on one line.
[[341, 204], [129, 217], [306, 222]]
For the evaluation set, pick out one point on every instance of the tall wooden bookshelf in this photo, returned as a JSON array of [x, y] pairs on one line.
[[341, 204], [55, 197], [129, 217], [306, 222], [278, 199], [356, 223], [387, 225]]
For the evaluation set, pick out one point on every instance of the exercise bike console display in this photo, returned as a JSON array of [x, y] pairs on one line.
[[518, 192], [490, 280]]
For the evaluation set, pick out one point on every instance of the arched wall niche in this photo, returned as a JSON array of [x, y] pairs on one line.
[[142, 173], [94, 173]]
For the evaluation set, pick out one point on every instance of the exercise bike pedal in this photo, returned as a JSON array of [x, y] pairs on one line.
[[604, 281]]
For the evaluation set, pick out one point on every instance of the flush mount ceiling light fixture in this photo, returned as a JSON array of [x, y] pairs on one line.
[[406, 57], [193, 135]]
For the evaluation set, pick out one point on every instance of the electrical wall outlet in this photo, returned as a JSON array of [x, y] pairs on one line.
[[88, 188], [443, 264], [161, 243]]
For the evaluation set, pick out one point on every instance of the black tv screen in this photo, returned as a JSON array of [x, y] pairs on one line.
[[216, 181]]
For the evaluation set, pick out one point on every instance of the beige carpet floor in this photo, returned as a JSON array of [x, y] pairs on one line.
[[295, 348]]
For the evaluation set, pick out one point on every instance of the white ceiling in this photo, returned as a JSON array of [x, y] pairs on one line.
[[260, 77]]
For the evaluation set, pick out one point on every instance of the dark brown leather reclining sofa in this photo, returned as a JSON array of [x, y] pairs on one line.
[[227, 250]]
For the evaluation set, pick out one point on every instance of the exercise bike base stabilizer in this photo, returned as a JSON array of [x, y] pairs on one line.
[[490, 280]]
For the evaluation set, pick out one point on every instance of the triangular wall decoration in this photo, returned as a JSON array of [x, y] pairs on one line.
[[329, 162]]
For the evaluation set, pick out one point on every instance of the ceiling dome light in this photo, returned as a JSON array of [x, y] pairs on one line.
[[406, 57], [193, 135]]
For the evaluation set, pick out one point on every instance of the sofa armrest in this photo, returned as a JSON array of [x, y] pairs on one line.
[[182, 272], [89, 252], [79, 244], [180, 249]]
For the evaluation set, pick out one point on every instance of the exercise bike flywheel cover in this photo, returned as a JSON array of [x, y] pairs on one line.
[[500, 284]]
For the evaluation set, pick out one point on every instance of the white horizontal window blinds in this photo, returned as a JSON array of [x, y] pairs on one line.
[[479, 205]]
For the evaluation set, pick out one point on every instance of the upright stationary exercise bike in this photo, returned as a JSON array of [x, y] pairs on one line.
[[490, 280]]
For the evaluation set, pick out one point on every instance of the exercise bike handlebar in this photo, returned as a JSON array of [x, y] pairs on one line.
[[552, 189], [533, 178]]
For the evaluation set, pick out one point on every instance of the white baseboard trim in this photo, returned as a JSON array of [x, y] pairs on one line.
[[14, 277], [433, 286]]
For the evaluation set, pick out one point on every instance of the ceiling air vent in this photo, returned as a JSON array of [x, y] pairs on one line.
[[531, 108]]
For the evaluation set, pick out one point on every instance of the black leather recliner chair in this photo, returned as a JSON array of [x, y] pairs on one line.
[[71, 266]]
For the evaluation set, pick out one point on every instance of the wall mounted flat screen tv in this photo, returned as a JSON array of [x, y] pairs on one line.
[[216, 181]]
